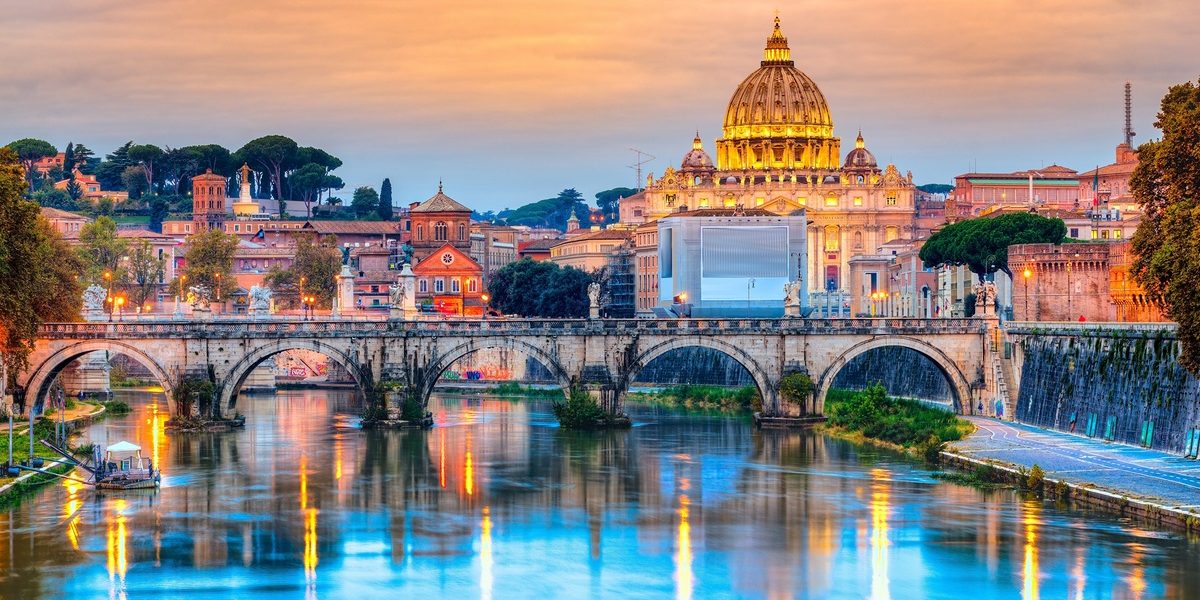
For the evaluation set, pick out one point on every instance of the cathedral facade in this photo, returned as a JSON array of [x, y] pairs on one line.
[[778, 152]]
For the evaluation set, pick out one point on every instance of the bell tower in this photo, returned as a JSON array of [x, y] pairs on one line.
[[208, 201]]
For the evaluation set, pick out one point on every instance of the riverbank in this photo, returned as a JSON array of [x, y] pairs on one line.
[[13, 489], [1160, 488], [909, 426], [701, 397]]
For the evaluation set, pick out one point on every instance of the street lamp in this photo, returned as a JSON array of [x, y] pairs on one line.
[[1027, 273], [117, 304], [108, 294], [218, 276], [485, 298]]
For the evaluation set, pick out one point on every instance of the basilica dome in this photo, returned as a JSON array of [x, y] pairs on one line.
[[777, 119], [860, 157], [697, 158], [777, 99]]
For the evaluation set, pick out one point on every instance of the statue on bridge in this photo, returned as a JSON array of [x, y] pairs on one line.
[[260, 300], [593, 292], [791, 301], [985, 299], [402, 295], [93, 303]]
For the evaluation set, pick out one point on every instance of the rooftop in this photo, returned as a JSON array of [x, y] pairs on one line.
[[353, 227], [440, 202]]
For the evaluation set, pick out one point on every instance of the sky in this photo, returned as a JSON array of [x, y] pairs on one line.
[[510, 101]]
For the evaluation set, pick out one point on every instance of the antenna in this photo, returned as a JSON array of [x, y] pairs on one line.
[[1128, 116], [637, 166]]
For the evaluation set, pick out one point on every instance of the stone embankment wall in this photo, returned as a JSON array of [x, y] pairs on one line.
[[903, 371], [1123, 385], [697, 366]]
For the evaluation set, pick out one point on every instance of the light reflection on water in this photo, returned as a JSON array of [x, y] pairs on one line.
[[497, 503]]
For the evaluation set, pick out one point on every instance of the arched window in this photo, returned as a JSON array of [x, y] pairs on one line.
[[858, 240], [890, 233], [439, 231], [832, 238], [462, 231], [420, 232]]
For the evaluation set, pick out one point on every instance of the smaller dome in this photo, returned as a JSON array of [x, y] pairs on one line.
[[860, 157], [696, 158]]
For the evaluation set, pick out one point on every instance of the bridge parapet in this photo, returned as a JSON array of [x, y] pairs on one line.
[[242, 328], [1092, 329]]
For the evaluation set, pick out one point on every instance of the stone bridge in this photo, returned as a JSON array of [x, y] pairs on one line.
[[601, 355]]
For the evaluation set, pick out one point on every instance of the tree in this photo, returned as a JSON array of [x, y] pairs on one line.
[[85, 159], [540, 289], [317, 263], [133, 179], [146, 271], [110, 170], [147, 155], [271, 153], [1166, 246], [69, 159], [38, 270], [365, 201], [982, 244], [158, 213], [100, 251], [551, 212], [29, 151], [74, 190], [385, 200], [208, 260], [309, 181], [609, 202], [55, 198]]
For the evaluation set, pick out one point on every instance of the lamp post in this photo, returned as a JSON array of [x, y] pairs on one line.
[[118, 303], [485, 298], [108, 276], [303, 308], [179, 296]]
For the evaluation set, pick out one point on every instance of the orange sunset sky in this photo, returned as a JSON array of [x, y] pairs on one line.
[[511, 101]]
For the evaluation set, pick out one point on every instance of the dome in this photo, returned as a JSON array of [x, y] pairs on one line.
[[860, 157], [696, 159], [777, 100]]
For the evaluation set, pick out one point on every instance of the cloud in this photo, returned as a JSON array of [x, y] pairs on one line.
[[511, 101]]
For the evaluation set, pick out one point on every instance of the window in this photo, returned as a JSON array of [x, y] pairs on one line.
[[891, 198], [423, 285], [374, 289], [704, 203], [454, 285], [439, 285], [1116, 234], [1095, 234], [472, 285], [759, 201], [831, 201], [858, 200], [1104, 234], [860, 180], [237, 228], [890, 233], [802, 201], [439, 231], [420, 232], [462, 231], [832, 243], [1075, 232]]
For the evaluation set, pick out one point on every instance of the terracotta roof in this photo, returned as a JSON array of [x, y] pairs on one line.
[[722, 212], [55, 213], [440, 202], [142, 234], [537, 245], [353, 227], [603, 234], [1113, 169]]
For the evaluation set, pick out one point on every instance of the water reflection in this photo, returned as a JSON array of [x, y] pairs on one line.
[[496, 502]]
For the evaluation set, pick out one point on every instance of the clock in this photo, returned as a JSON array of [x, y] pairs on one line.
[[447, 258]]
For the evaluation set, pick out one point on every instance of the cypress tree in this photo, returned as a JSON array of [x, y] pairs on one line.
[[385, 200]]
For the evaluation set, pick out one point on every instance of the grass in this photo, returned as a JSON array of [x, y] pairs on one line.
[[43, 429], [908, 424], [581, 411], [706, 397]]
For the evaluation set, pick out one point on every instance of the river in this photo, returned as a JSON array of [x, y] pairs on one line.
[[497, 502]]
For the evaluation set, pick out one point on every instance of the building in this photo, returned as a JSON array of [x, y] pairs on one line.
[[437, 222], [590, 251], [208, 201], [493, 246], [354, 234], [1077, 282], [535, 249], [44, 165], [723, 262], [67, 224], [893, 283], [1054, 186], [375, 270], [450, 282], [645, 268], [90, 188], [778, 153]]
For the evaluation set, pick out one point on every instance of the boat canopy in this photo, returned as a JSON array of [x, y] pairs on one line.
[[123, 447]]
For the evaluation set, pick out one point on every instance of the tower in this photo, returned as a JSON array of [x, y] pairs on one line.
[[572, 222], [208, 201]]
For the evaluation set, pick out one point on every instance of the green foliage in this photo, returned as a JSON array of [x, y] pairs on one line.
[[100, 251], [969, 307], [209, 262], [318, 262], [28, 151], [158, 213], [874, 414], [55, 198], [796, 388], [38, 270], [272, 154], [309, 181], [385, 201], [146, 269], [109, 172], [117, 407], [540, 289], [193, 393], [148, 156], [1036, 480], [1166, 245], [609, 202], [551, 212], [365, 201], [982, 244], [580, 411], [936, 188]]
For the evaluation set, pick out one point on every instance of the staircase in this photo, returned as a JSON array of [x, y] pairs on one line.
[[1006, 384]]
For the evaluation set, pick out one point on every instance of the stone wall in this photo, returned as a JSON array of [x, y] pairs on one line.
[[1108, 384], [903, 371]]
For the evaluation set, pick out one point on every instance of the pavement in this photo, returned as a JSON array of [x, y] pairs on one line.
[[1130, 471]]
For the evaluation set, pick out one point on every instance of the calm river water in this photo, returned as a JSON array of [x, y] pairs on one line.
[[497, 502]]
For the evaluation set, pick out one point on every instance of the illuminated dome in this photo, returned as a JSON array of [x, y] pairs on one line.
[[860, 157], [696, 158], [778, 118]]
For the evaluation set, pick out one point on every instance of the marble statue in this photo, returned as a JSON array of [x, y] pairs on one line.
[[791, 291], [93, 298], [260, 299], [593, 292], [397, 294]]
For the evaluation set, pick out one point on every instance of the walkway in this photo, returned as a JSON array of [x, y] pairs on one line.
[[1135, 472]]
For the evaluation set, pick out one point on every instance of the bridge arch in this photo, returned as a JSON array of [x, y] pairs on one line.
[[959, 388], [40, 379], [429, 376], [767, 387], [237, 374]]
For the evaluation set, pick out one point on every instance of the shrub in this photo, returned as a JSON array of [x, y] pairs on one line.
[[1036, 479], [796, 388], [904, 422], [580, 411]]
